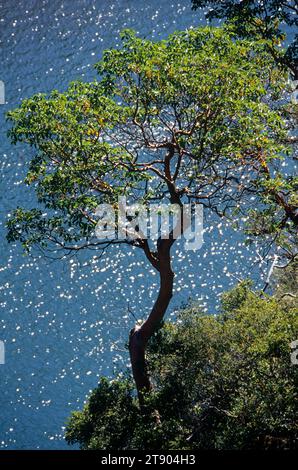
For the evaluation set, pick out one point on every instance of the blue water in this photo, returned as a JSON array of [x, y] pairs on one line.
[[65, 323]]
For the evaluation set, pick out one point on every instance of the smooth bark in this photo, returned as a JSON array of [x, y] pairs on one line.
[[141, 334]]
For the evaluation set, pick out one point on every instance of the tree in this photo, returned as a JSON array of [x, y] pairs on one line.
[[263, 18], [222, 382], [266, 20], [183, 119]]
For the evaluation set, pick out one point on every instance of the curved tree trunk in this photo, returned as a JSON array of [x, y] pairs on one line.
[[140, 335]]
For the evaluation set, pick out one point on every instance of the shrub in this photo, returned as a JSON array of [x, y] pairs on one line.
[[221, 382]]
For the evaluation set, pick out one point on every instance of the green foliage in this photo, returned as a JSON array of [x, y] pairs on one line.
[[201, 94], [107, 418], [74, 170], [221, 382], [253, 18], [232, 300]]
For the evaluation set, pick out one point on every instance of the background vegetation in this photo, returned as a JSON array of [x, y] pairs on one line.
[[221, 382]]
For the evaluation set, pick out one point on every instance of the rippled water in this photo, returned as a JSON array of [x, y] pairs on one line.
[[65, 323]]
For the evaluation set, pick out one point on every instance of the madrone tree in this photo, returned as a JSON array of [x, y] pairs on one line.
[[178, 120]]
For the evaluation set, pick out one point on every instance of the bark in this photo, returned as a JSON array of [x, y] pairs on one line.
[[141, 334], [161, 260]]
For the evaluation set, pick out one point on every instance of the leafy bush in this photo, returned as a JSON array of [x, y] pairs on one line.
[[221, 382]]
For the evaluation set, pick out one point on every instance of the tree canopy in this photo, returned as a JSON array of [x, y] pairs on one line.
[[186, 118]]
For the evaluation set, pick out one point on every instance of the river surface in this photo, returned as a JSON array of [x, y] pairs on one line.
[[65, 323]]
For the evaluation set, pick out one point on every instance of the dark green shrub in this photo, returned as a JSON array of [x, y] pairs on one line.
[[221, 382]]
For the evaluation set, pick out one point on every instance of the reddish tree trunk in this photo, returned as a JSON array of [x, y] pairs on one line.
[[140, 335]]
